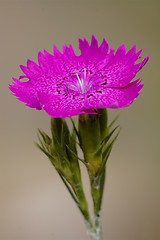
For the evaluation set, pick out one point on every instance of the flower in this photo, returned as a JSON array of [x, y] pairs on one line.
[[65, 85]]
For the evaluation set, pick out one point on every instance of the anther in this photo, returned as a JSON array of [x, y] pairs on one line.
[[67, 87]]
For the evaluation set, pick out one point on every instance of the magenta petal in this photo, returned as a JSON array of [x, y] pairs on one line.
[[83, 46], [25, 70], [94, 43], [65, 85], [104, 47], [68, 51], [62, 106], [56, 52], [121, 68], [25, 93], [32, 66], [140, 65], [120, 53], [115, 97]]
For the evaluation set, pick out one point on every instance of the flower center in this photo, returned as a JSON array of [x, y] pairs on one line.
[[80, 81]]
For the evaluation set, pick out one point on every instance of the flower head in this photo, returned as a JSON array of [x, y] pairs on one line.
[[65, 85]]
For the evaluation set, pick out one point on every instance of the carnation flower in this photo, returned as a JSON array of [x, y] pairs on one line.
[[65, 85]]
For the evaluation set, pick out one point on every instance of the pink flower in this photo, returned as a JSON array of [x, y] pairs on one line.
[[65, 85]]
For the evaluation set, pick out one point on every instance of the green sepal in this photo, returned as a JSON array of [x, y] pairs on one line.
[[59, 130], [102, 182], [73, 153], [90, 140], [96, 141], [44, 151], [106, 152], [76, 132], [69, 189], [113, 121], [89, 132], [103, 120], [53, 150], [41, 142], [104, 141], [108, 135], [46, 139]]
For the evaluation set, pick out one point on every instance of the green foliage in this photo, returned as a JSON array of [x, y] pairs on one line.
[[96, 138]]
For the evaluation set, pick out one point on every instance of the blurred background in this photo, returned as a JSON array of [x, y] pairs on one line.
[[34, 204]]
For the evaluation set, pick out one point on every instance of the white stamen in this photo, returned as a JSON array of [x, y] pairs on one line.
[[82, 78], [84, 74], [80, 82]]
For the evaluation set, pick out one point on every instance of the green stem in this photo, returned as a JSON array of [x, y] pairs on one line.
[[90, 131], [78, 189], [79, 192], [97, 187]]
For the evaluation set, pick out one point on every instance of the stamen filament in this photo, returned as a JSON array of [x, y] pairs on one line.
[[84, 74], [80, 82]]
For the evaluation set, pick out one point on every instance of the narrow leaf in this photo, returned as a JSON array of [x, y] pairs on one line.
[[76, 155], [108, 135], [102, 182], [42, 135], [107, 151], [114, 120], [42, 145], [69, 189], [76, 131], [44, 151]]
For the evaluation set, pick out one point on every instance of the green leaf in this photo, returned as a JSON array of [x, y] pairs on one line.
[[42, 145], [62, 137], [114, 120], [99, 151], [40, 132], [56, 128], [102, 182], [76, 131], [76, 155], [107, 151], [103, 119], [71, 145], [108, 135], [44, 151], [104, 141], [46, 139], [69, 189]]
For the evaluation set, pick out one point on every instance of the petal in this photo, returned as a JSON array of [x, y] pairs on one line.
[[83, 46], [53, 84], [121, 68], [25, 70], [104, 47], [141, 64], [32, 66], [25, 92], [93, 50], [94, 43], [56, 52], [91, 55], [132, 55], [114, 97], [63, 106], [31, 70], [68, 51], [120, 53]]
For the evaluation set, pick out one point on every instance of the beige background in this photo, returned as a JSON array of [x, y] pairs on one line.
[[34, 204]]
